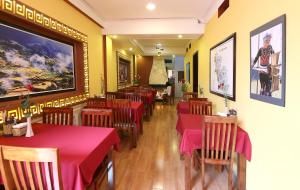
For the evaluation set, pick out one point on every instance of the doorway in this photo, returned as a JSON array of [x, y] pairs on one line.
[[195, 72]]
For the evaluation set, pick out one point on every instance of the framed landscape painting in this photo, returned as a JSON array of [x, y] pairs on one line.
[[267, 62], [30, 59], [222, 68]]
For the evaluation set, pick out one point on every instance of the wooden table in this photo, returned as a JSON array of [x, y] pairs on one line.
[[189, 126], [81, 150]]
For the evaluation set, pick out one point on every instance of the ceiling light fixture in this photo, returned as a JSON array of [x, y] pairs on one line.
[[150, 6], [179, 36], [130, 49]]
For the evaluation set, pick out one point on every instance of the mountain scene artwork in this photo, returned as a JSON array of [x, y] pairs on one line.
[[27, 58]]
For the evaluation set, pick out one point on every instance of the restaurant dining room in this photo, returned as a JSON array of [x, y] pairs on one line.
[[149, 94]]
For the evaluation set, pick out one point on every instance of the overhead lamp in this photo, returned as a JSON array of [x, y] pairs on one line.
[[150, 6], [130, 49], [179, 36]]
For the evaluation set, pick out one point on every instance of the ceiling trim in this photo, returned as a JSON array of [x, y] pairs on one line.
[[86, 10], [211, 11], [137, 44]]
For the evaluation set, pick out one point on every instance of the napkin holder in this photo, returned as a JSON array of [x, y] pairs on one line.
[[19, 129], [7, 129]]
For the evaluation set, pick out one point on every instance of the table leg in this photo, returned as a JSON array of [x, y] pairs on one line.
[[111, 171], [241, 172], [187, 172], [141, 126]]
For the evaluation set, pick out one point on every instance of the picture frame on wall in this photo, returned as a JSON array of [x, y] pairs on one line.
[[29, 58], [123, 70], [267, 62], [222, 68]]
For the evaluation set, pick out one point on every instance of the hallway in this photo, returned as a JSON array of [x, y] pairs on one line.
[[155, 164]]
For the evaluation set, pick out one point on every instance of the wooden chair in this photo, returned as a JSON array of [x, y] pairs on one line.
[[144, 98], [123, 118], [188, 95], [58, 116], [218, 145], [96, 103], [97, 117], [134, 97], [200, 107], [111, 95], [25, 168]]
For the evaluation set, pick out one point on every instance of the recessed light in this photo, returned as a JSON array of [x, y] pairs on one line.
[[130, 49], [114, 36], [179, 36], [150, 6]]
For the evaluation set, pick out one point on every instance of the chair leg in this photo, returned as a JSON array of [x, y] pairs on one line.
[[133, 137], [230, 175], [203, 175]]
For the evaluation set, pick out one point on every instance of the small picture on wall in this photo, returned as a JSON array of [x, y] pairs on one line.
[[267, 62], [222, 68], [187, 69]]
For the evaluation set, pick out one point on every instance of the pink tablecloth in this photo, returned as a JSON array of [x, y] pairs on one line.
[[189, 126], [138, 111], [182, 107], [81, 149]]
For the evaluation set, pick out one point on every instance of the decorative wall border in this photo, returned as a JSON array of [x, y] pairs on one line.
[[19, 9]]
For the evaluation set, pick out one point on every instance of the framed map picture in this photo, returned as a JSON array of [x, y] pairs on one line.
[[222, 68], [267, 62]]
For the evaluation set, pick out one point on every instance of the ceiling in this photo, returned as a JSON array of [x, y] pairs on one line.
[[135, 9], [141, 29]]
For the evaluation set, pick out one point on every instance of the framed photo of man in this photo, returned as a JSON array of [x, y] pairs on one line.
[[267, 62]]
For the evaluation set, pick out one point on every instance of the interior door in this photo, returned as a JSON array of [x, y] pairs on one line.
[[195, 72]]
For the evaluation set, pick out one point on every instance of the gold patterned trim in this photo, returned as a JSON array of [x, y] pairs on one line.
[[20, 9]]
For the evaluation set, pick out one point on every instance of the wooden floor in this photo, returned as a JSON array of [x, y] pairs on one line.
[[155, 164]]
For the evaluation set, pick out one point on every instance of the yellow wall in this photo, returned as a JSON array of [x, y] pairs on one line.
[[63, 12], [274, 130], [111, 49]]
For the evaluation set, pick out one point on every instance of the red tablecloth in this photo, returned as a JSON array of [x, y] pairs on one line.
[[182, 107], [138, 111], [189, 126], [81, 149]]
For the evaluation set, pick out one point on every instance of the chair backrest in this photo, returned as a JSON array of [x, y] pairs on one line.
[[111, 95], [218, 139], [30, 168], [97, 117], [188, 95], [58, 116], [200, 107], [198, 99], [122, 113], [96, 103], [134, 97], [144, 98]]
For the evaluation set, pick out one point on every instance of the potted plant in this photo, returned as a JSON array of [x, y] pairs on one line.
[[25, 105], [224, 88], [136, 80], [201, 91]]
